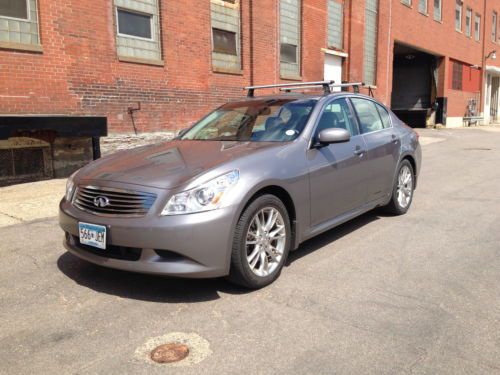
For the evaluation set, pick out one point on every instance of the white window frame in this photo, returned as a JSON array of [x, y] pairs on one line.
[[153, 35], [494, 30], [477, 36], [440, 19], [426, 7], [468, 29], [461, 5], [28, 9]]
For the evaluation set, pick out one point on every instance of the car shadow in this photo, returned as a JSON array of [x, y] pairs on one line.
[[153, 288], [332, 235], [143, 287]]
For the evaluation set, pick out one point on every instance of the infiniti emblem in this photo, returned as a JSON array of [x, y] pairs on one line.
[[101, 201]]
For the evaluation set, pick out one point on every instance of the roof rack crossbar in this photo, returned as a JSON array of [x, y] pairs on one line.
[[326, 86], [355, 86]]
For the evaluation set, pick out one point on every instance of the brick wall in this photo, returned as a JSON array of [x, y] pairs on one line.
[[78, 72]]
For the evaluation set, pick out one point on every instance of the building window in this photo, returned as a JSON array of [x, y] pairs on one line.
[[370, 46], [477, 28], [468, 22], [438, 6], [422, 6], [406, 2], [134, 24], [290, 24], [19, 25], [458, 15], [138, 31], [226, 40], [14, 9], [456, 83], [335, 24], [494, 27]]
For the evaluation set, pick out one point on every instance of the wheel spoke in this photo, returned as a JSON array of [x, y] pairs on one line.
[[276, 231], [254, 257], [262, 259], [271, 253]]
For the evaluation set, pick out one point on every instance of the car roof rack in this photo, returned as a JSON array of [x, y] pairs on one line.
[[354, 85], [326, 86]]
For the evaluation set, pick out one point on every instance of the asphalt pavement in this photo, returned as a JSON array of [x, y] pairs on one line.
[[415, 294]]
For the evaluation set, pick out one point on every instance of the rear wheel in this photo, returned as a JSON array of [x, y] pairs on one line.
[[402, 194], [261, 243]]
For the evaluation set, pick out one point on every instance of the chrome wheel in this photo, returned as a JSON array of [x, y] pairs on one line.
[[265, 241], [405, 186]]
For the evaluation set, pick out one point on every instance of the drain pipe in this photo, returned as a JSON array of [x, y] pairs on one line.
[[250, 10], [131, 111], [389, 42]]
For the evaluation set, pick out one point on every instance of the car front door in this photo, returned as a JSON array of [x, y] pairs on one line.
[[336, 171], [383, 146]]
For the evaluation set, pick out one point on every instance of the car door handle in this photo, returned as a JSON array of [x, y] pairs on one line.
[[394, 138], [359, 151]]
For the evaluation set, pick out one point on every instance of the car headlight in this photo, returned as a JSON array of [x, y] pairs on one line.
[[70, 187], [205, 197]]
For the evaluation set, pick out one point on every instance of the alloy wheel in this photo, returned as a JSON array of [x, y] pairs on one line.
[[265, 241], [405, 186]]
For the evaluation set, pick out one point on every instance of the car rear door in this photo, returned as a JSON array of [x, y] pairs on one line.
[[337, 171], [383, 146]]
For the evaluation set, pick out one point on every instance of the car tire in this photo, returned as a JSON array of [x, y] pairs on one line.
[[256, 247], [402, 191]]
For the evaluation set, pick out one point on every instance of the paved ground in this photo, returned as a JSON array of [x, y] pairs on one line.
[[384, 295]]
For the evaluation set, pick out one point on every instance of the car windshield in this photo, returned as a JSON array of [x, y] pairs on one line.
[[272, 120]]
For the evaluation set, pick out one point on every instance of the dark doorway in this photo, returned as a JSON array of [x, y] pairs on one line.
[[414, 84]]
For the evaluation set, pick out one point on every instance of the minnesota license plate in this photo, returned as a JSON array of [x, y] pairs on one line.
[[92, 235]]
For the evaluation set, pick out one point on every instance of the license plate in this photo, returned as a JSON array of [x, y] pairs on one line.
[[92, 235]]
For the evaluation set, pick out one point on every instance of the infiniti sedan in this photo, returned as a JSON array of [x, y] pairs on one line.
[[240, 189]]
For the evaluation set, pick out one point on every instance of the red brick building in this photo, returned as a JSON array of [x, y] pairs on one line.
[[68, 68]]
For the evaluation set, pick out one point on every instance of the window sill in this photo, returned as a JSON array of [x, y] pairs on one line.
[[407, 5], [138, 60], [22, 47], [238, 72], [290, 78], [438, 21], [424, 13]]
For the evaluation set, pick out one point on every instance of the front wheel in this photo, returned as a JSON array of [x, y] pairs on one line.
[[261, 243], [402, 194]]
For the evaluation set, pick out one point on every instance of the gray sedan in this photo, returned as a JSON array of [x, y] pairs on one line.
[[239, 190]]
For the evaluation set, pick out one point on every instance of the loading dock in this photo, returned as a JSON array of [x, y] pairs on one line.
[[414, 85]]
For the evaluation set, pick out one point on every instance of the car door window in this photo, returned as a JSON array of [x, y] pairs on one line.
[[337, 114], [384, 115], [368, 115]]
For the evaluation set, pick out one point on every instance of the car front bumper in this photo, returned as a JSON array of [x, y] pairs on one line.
[[194, 245]]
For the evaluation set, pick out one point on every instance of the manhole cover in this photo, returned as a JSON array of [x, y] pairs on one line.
[[175, 349], [168, 353]]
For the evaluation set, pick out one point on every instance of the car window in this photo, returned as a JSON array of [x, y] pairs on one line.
[[384, 115], [337, 114], [368, 115], [271, 120]]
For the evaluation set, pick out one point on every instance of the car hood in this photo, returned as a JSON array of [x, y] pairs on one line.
[[169, 164]]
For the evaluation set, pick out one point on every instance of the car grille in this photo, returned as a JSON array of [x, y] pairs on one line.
[[117, 202]]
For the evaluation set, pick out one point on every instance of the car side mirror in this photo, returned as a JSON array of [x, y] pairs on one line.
[[333, 135]]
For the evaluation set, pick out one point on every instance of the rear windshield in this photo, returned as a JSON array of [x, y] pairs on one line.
[[279, 120]]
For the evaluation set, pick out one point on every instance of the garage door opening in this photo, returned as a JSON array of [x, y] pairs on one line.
[[414, 85]]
